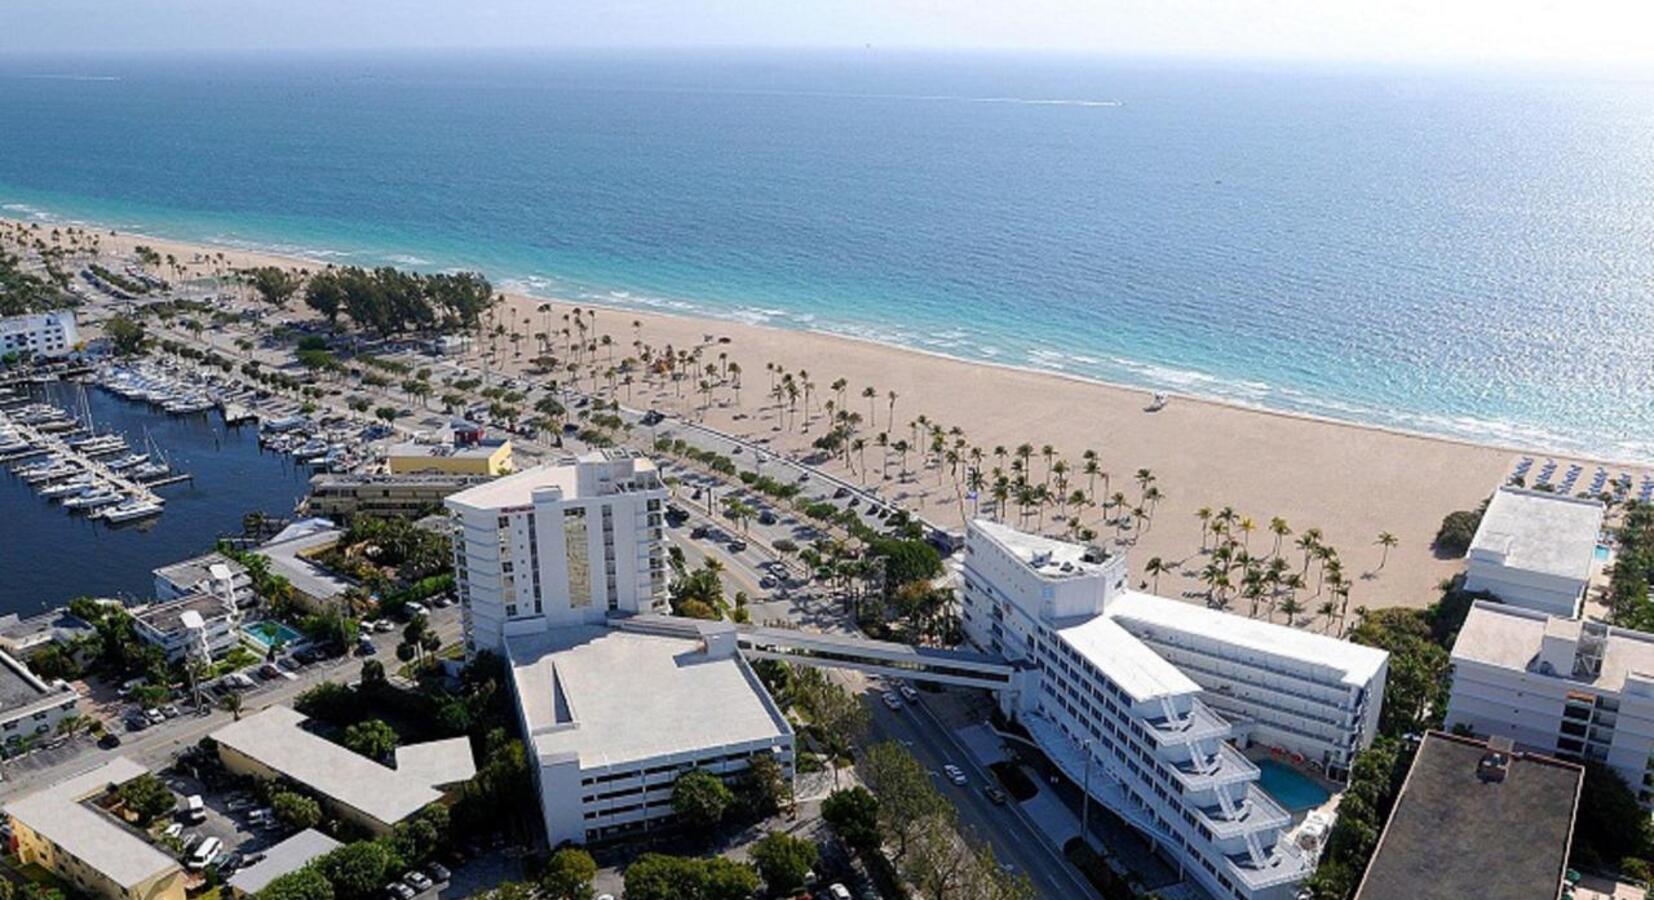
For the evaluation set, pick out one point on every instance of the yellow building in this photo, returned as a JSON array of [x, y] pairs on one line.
[[488, 458], [60, 831]]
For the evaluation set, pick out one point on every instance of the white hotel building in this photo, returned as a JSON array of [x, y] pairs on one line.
[[559, 545], [42, 334], [557, 569], [1560, 686], [1155, 691], [1535, 549]]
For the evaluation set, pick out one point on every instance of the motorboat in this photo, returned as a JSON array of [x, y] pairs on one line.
[[74, 485], [131, 510], [93, 499]]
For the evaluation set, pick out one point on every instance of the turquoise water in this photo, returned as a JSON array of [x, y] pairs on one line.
[[268, 633], [1458, 253], [1602, 551], [1290, 788]]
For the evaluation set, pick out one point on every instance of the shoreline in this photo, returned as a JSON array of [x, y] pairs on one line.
[[278, 255], [1351, 481]]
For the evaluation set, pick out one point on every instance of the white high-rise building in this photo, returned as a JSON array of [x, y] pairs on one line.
[[557, 545], [42, 334], [1147, 694], [1560, 686]]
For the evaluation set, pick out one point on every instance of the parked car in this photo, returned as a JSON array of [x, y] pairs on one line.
[[766, 582], [109, 741], [439, 873], [194, 811], [736, 546], [364, 646], [416, 880], [766, 518], [384, 626], [204, 853], [841, 493], [838, 892], [396, 890], [155, 716]]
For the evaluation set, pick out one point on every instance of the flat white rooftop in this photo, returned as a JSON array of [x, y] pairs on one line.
[[1538, 531], [1510, 637], [1127, 661], [613, 697], [57, 814], [566, 475], [275, 739], [1047, 557], [1355, 665]]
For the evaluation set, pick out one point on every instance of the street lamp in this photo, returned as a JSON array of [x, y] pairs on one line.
[[1085, 797]]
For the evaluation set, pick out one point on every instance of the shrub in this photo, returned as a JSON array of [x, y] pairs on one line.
[[784, 861], [1456, 532]]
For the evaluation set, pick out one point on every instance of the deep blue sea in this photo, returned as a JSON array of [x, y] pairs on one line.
[[1450, 251]]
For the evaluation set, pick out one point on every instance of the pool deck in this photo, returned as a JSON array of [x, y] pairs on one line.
[[1326, 809]]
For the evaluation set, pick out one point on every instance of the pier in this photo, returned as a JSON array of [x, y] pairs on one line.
[[47, 442]]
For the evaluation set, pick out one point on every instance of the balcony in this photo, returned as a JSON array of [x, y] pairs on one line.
[[1230, 768]]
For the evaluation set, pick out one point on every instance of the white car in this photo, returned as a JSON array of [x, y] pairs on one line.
[[891, 700], [908, 693], [954, 773]]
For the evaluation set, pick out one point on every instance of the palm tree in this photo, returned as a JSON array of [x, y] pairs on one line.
[[1292, 608], [232, 704], [1204, 514], [1247, 526], [891, 423], [1385, 540], [1144, 479], [1326, 611], [1279, 528], [1154, 568]]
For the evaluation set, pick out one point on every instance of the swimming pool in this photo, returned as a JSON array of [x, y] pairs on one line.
[[269, 632], [1290, 788], [1602, 552]]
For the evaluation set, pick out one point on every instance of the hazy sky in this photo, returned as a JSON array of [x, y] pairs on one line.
[[1592, 31]]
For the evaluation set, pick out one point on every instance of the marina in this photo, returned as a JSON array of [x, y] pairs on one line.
[[219, 473]]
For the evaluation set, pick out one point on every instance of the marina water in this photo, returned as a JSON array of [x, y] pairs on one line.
[[45, 551], [1461, 253]]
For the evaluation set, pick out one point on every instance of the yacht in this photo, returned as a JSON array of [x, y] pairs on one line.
[[51, 473], [148, 470], [75, 485], [130, 511], [93, 499], [128, 461]]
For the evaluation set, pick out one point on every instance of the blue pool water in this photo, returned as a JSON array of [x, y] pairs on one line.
[[1602, 551], [1291, 789], [1458, 252], [267, 633]]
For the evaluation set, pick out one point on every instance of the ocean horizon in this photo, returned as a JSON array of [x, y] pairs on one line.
[[1445, 252]]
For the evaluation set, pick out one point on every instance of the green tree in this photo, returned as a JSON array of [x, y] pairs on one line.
[[126, 334], [305, 884], [656, 876], [373, 739], [906, 796], [147, 798], [853, 813], [1611, 826], [784, 861], [763, 789], [360, 869], [569, 875], [274, 285], [296, 810], [700, 799]]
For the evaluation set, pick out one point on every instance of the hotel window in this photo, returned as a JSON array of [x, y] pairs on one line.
[[579, 566]]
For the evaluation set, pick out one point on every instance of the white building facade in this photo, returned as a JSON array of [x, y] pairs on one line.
[[564, 544], [31, 707], [1535, 549], [40, 334], [615, 715], [1110, 687], [1563, 687]]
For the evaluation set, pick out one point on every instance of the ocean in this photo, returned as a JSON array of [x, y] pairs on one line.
[[1462, 253]]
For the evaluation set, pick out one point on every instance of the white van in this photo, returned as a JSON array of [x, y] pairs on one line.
[[204, 852], [195, 811]]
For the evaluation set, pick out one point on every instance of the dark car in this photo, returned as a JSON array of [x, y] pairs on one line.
[[737, 546], [439, 873], [766, 518], [698, 532], [109, 741], [841, 493]]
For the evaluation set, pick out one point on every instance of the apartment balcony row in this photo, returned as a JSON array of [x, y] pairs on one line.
[[1203, 665], [1234, 707], [1226, 766], [1200, 723], [1257, 811]]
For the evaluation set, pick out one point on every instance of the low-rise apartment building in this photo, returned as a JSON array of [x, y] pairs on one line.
[[613, 715], [39, 334], [1535, 549], [563, 544], [272, 745], [59, 830], [204, 625], [342, 496], [211, 573], [30, 707], [1558, 686], [1127, 686]]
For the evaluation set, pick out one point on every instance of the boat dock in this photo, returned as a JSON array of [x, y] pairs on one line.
[[46, 442]]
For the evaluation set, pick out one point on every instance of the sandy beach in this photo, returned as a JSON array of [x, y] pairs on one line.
[[1351, 482]]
